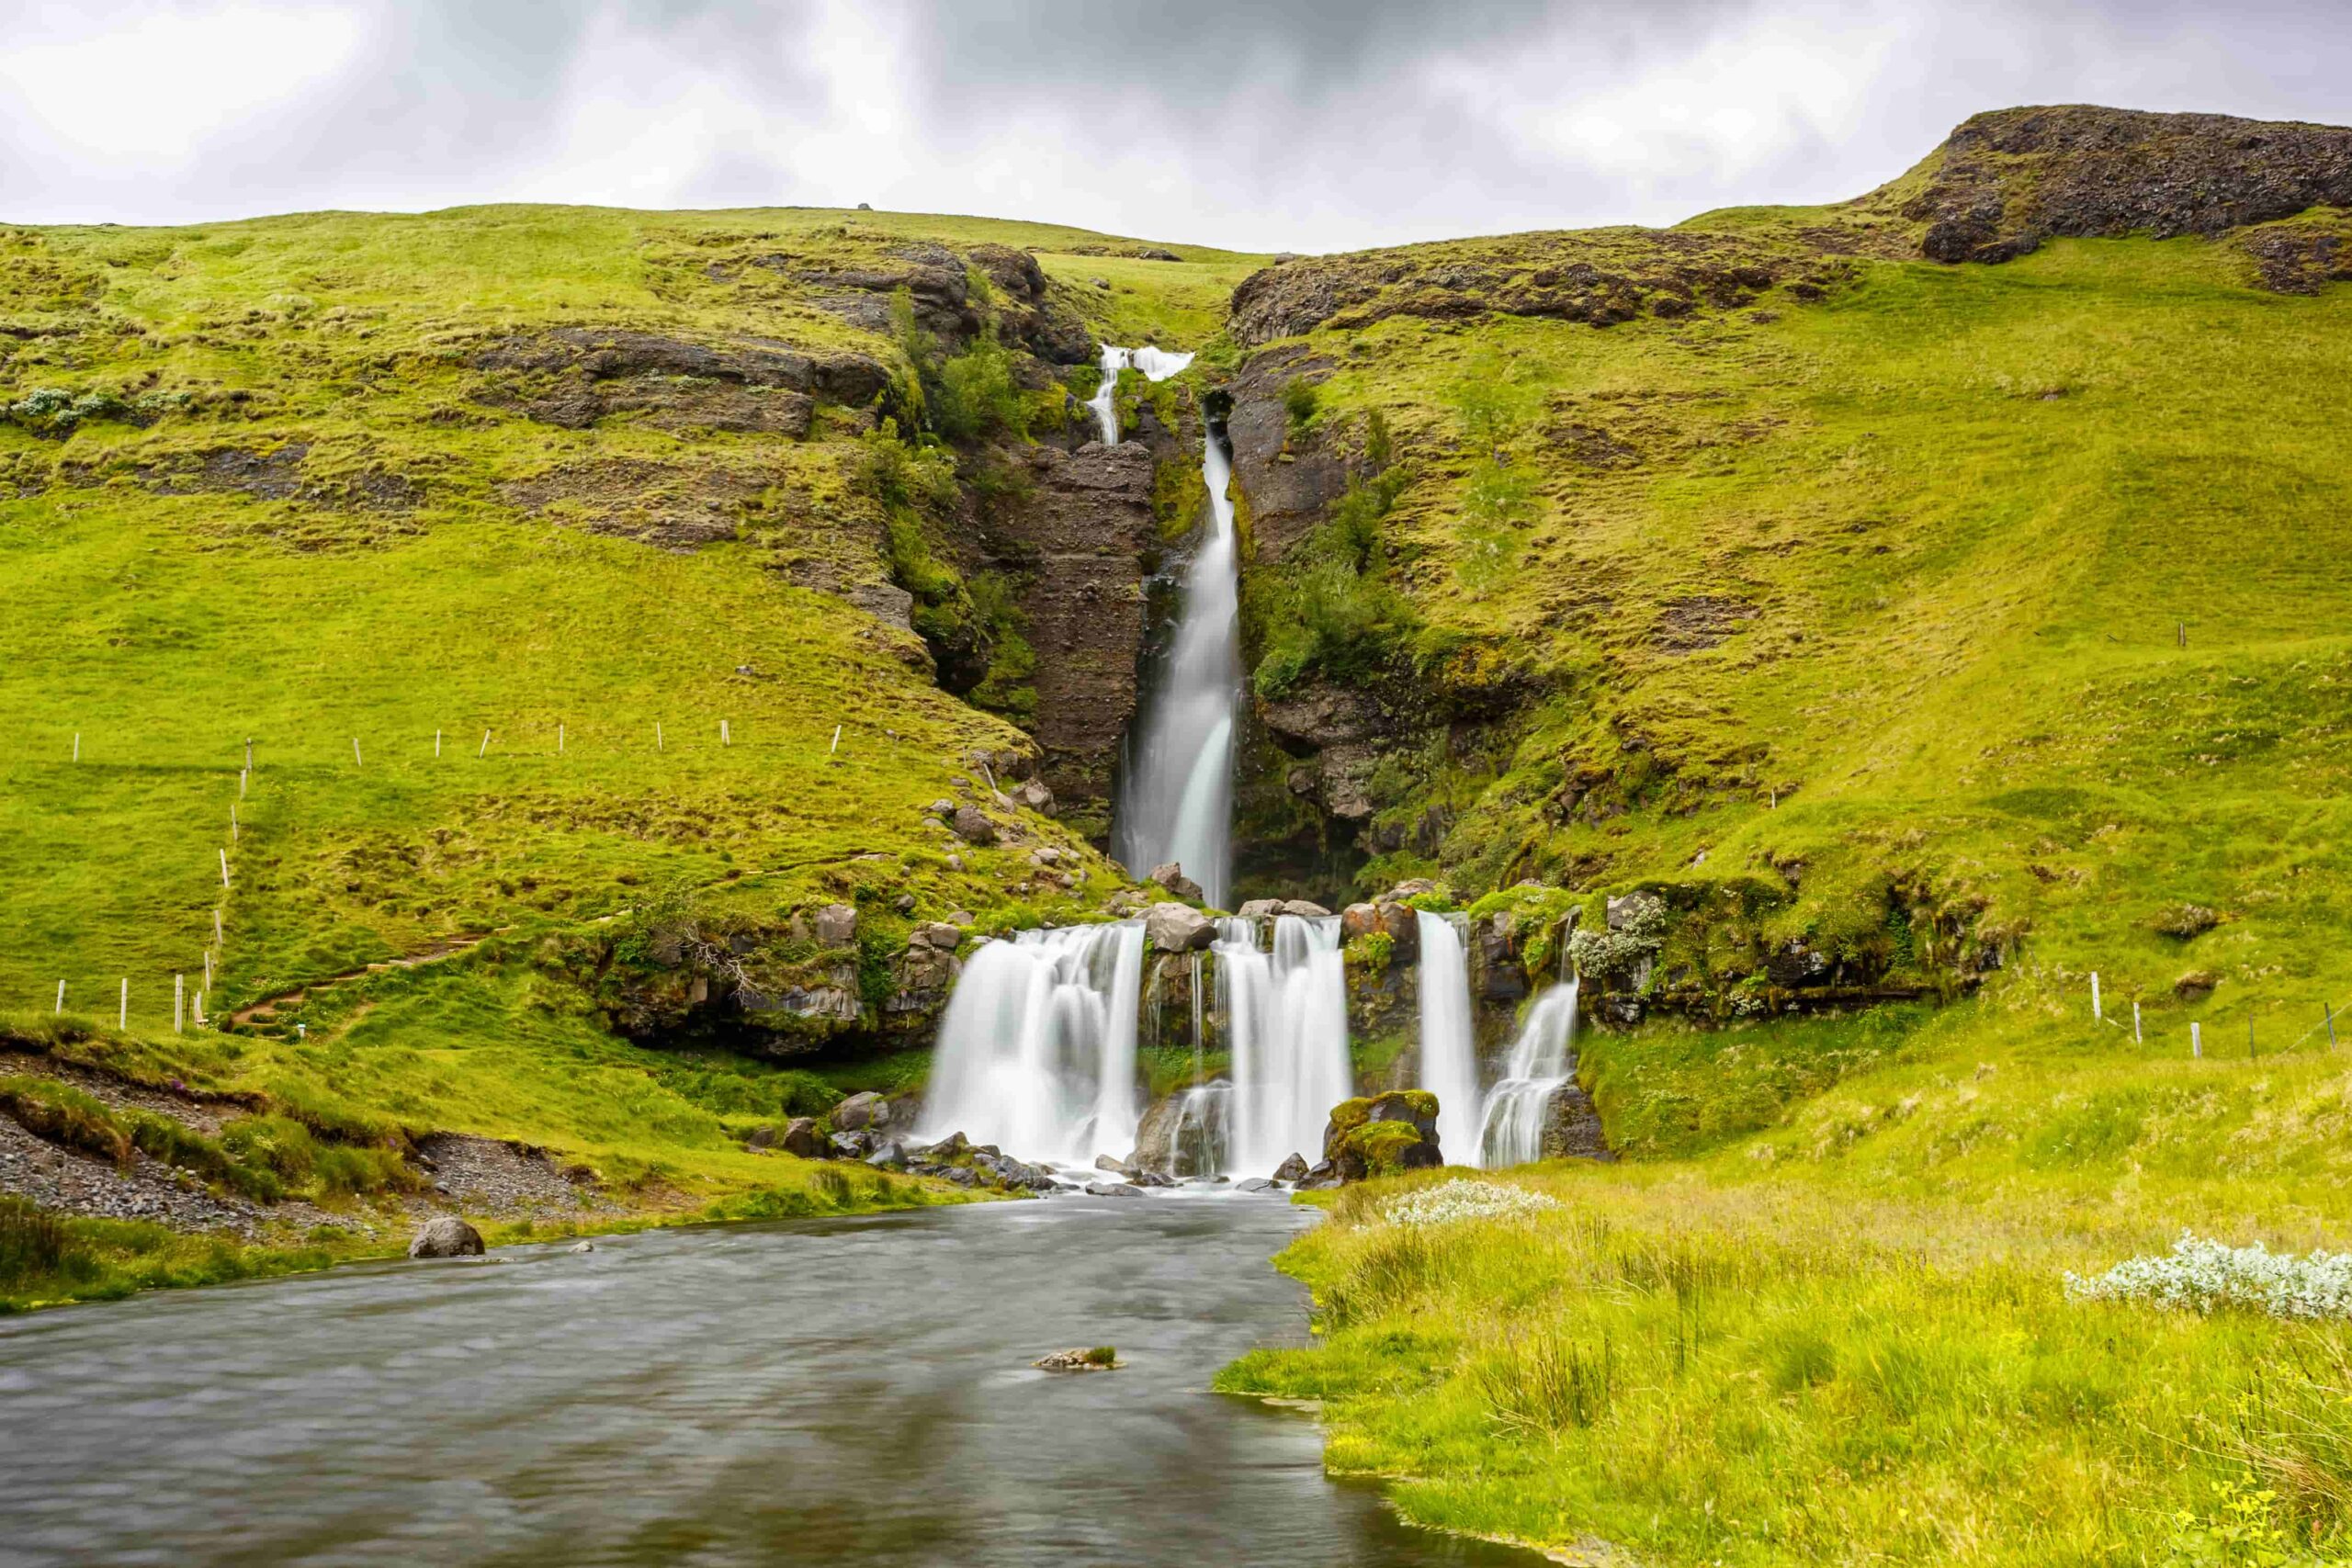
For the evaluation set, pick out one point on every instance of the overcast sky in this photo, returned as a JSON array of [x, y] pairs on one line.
[[1317, 124]]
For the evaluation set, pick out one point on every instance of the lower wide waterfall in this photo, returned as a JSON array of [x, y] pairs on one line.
[[1541, 1062], [1449, 1046], [1036, 1053], [1287, 1020]]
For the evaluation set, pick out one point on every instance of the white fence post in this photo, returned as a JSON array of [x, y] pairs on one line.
[[2135, 1023], [485, 745], [60, 996], [224, 868], [723, 739], [2195, 1041], [180, 1004], [2095, 1009], [122, 1013], [356, 761]]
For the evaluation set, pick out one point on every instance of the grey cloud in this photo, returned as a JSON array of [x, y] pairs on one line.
[[1309, 125]]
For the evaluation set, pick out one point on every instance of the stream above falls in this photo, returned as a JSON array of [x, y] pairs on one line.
[[843, 1392]]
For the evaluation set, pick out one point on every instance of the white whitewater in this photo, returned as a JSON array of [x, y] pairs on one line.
[[1037, 1050], [1287, 1023], [1176, 803], [1449, 1048], [1156, 365], [1542, 1061]]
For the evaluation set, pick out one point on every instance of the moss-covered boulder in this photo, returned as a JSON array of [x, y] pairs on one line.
[[1382, 1134]]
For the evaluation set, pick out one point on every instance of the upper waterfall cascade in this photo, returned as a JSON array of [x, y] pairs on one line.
[[1156, 365], [1176, 797]]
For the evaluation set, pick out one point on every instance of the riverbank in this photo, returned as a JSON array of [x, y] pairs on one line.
[[1701, 1364], [131, 1162]]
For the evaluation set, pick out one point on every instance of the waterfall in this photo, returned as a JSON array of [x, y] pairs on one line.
[[1176, 803], [1037, 1050], [1156, 365], [1449, 1050], [1542, 1060], [1287, 1023]]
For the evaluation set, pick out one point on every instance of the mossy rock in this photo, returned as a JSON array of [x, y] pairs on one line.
[[1381, 1146], [1404, 1104]]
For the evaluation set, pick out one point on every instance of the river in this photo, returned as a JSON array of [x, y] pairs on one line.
[[844, 1392]]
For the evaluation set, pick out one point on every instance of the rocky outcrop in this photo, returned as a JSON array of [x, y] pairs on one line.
[[1290, 478], [938, 282], [572, 376], [2005, 182], [1600, 278], [1381, 1137]]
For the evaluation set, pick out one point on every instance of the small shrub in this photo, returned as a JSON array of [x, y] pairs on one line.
[[1103, 1356], [2207, 1276], [1451, 1203], [1300, 400], [33, 1245], [2184, 921]]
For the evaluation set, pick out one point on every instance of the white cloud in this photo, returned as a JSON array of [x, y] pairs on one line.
[[155, 83]]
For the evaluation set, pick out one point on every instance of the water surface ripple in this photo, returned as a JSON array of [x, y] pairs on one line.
[[837, 1392]]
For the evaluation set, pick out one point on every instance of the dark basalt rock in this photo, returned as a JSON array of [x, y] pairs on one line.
[[2009, 180]]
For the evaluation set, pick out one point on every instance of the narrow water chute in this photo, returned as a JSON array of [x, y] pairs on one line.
[[1542, 1060], [1449, 1048]]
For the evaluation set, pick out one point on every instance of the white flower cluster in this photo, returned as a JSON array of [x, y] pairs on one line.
[[2208, 1276], [1449, 1201]]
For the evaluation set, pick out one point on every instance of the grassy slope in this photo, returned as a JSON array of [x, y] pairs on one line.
[[164, 630], [1967, 508]]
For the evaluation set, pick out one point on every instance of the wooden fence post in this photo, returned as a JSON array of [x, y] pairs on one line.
[[723, 739], [2135, 1022], [216, 928], [2096, 1013], [356, 761], [232, 822], [657, 737], [180, 1004], [60, 996], [224, 868], [436, 743], [2330, 1010], [559, 741], [77, 745], [485, 745], [122, 1013], [2195, 1044]]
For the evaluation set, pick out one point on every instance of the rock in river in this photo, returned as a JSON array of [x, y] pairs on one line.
[[445, 1235]]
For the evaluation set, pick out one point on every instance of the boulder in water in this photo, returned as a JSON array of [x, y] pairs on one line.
[[1382, 1136], [1116, 1166], [445, 1235], [1113, 1189], [1173, 928], [1254, 1184], [890, 1156], [948, 1148], [1156, 1135], [1261, 909], [1098, 1359], [1292, 1170], [1304, 909], [1324, 1175]]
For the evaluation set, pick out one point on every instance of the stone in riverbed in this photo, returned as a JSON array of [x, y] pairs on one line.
[[1116, 1166], [1113, 1189], [889, 1156], [583, 1247], [1292, 1170], [1304, 909], [1254, 1184], [1261, 909], [1078, 1360], [445, 1235], [1173, 928]]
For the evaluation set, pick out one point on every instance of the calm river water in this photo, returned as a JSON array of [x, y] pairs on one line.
[[838, 1393]]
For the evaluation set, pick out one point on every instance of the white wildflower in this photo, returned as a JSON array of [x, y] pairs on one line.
[[2209, 1276], [1449, 1201]]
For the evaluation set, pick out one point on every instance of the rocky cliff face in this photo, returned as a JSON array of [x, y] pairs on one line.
[[1082, 533], [2005, 182]]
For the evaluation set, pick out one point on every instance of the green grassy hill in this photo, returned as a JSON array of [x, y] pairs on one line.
[[595, 485]]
